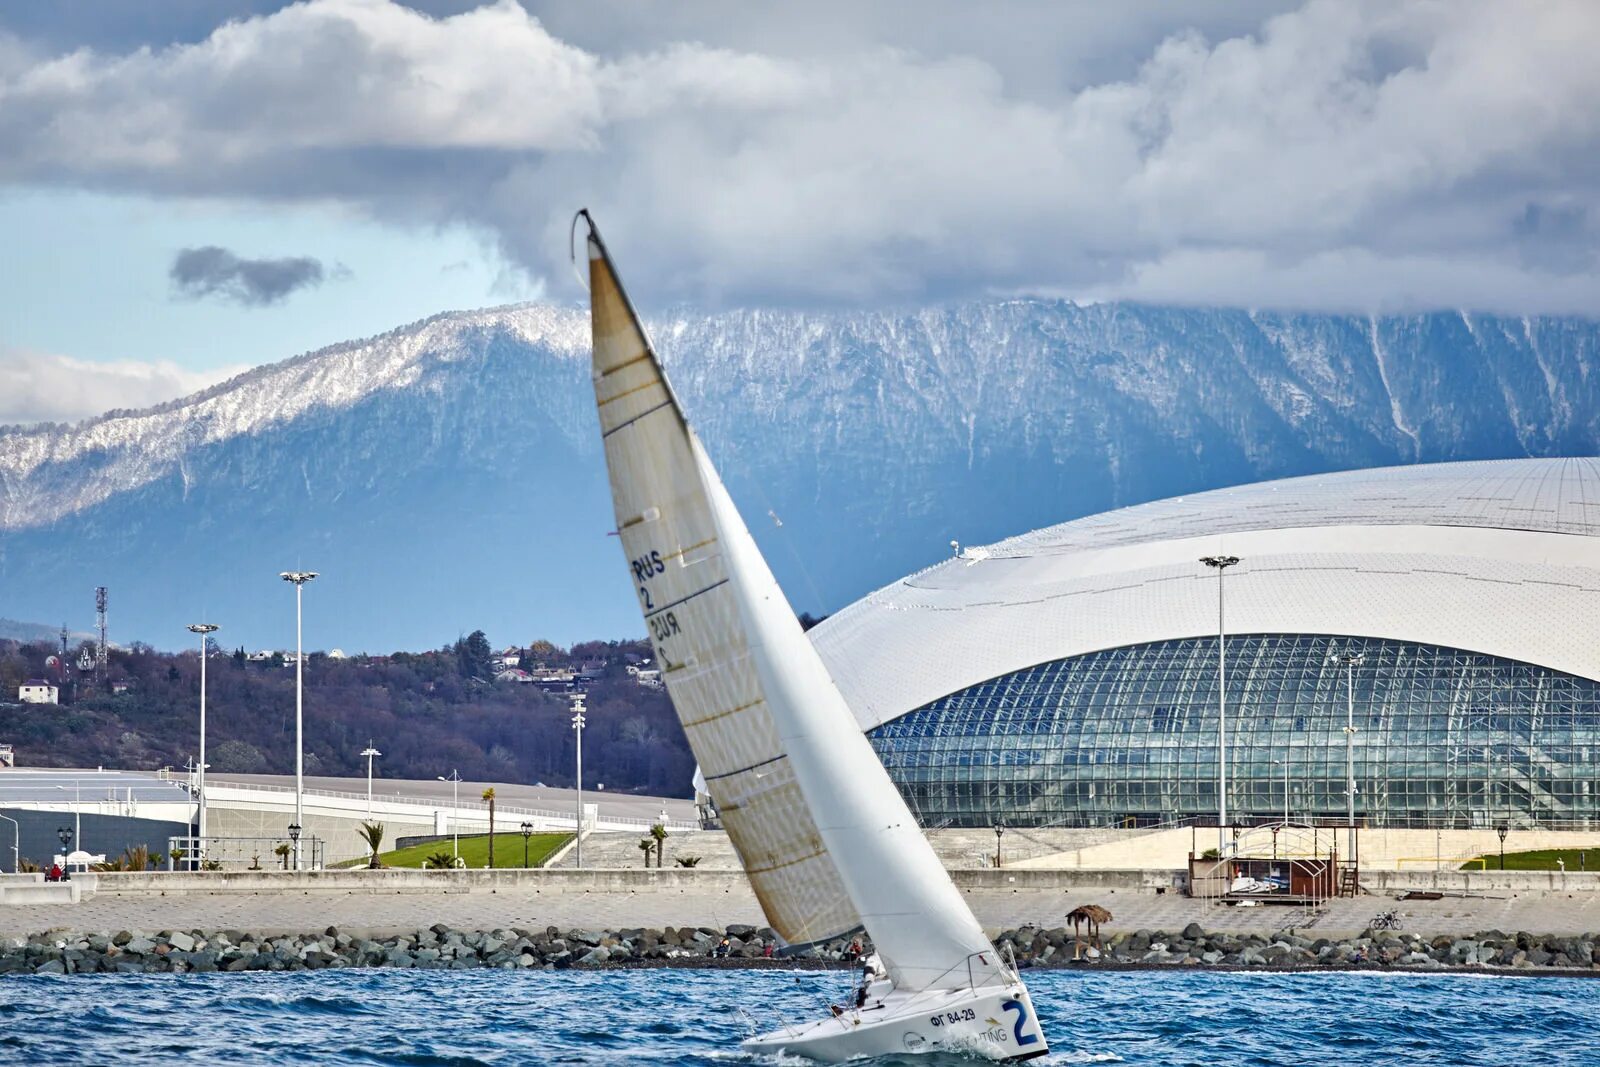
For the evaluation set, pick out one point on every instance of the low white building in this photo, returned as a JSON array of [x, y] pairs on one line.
[[38, 691]]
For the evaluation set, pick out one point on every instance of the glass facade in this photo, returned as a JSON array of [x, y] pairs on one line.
[[1128, 736]]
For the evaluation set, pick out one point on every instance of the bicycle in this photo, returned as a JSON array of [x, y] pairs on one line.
[[1387, 920]]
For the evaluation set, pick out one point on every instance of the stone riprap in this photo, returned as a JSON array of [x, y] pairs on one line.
[[441, 947]]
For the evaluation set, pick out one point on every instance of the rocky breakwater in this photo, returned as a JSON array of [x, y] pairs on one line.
[[1290, 949], [441, 947], [438, 947]]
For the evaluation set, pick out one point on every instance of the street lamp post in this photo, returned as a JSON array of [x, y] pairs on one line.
[[999, 832], [1221, 564], [578, 719], [455, 806], [65, 834], [294, 841], [1502, 830], [205, 630], [299, 580], [1350, 660], [527, 833], [370, 753]]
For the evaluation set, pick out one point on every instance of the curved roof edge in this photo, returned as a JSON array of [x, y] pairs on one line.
[[1526, 595]]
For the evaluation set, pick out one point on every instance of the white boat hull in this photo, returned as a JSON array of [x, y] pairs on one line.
[[990, 1024]]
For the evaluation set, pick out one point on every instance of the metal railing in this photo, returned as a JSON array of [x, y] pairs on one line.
[[248, 853], [444, 804]]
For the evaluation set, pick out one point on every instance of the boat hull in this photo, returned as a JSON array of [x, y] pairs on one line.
[[990, 1024]]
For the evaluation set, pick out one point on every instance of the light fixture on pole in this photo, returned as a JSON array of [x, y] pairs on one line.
[[999, 832], [578, 719], [1350, 660], [299, 580], [205, 630], [1285, 763], [294, 841], [1502, 830], [370, 753], [527, 833], [1221, 564], [65, 834], [455, 805]]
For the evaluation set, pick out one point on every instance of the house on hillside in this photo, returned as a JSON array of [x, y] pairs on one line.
[[514, 674], [590, 669], [38, 691], [650, 678]]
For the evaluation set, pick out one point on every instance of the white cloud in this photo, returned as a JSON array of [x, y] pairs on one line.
[[40, 387], [1418, 153]]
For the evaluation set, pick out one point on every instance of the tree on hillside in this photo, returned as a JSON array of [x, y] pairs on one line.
[[473, 655], [488, 795]]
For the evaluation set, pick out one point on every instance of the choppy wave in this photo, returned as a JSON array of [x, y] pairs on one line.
[[684, 1017]]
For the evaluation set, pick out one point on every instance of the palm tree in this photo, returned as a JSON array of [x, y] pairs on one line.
[[282, 852], [659, 833], [647, 845], [372, 834], [488, 795], [440, 861]]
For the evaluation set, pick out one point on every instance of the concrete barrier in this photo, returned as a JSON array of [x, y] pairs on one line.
[[41, 893]]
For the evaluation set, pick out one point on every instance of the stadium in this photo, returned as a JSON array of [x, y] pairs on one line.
[[1069, 676]]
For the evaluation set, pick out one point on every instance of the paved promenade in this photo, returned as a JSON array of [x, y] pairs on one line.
[[719, 902]]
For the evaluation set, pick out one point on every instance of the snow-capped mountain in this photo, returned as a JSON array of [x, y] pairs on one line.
[[447, 475]]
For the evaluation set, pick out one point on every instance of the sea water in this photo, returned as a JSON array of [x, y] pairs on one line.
[[678, 1017]]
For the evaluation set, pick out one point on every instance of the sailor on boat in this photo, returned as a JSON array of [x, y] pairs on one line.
[[826, 839]]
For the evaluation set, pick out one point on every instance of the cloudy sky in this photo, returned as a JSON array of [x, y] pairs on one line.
[[193, 187]]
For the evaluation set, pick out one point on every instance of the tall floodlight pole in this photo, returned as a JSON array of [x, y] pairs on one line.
[[577, 725], [1350, 661], [205, 630], [1221, 564], [455, 809], [369, 752], [299, 578]]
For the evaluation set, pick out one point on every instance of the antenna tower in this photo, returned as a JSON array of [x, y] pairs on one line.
[[100, 655]]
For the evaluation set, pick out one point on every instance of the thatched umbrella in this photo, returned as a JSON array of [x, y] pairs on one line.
[[1094, 915]]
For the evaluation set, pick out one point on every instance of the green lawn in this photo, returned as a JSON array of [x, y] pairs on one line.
[[475, 850], [1577, 859]]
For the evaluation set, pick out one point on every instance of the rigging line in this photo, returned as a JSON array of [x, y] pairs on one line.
[[782, 535]]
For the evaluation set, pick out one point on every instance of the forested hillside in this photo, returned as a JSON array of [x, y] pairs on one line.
[[429, 713]]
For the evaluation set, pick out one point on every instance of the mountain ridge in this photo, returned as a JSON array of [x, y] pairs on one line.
[[450, 469]]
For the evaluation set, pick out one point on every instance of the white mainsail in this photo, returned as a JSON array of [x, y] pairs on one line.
[[825, 837]]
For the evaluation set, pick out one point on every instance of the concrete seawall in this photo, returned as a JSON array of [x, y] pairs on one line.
[[162, 883], [384, 903]]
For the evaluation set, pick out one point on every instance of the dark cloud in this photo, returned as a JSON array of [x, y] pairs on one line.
[[213, 271]]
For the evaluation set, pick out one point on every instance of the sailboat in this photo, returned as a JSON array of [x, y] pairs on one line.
[[826, 840]]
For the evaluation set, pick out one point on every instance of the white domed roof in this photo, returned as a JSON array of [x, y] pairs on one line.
[[1500, 557]]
